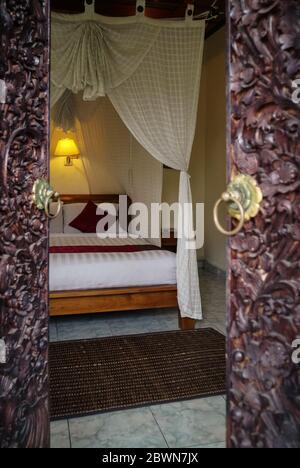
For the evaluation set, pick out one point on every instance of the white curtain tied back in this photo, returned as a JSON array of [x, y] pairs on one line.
[[150, 70]]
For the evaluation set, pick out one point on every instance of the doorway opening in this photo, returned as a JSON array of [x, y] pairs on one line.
[[84, 173]]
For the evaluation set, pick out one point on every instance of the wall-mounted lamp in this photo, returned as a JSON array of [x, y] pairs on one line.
[[67, 148]]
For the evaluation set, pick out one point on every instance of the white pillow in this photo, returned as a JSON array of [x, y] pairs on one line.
[[56, 224], [71, 211]]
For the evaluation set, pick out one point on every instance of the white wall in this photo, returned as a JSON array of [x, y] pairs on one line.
[[215, 151]]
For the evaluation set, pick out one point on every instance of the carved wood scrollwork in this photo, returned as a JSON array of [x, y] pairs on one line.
[[24, 65], [264, 389]]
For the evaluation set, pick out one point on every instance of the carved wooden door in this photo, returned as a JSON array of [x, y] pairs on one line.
[[264, 258], [24, 122]]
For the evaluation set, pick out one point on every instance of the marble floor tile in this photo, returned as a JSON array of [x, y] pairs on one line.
[[204, 324], [221, 445], [219, 326], [191, 423], [130, 324], [80, 328], [53, 335], [60, 437], [124, 429], [143, 322], [213, 293], [162, 322]]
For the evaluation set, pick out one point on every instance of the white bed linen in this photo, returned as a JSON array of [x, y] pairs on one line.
[[69, 272]]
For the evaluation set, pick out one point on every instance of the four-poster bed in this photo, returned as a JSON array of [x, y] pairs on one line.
[[91, 301], [150, 71]]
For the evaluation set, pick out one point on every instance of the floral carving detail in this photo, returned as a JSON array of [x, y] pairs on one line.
[[264, 403], [24, 65]]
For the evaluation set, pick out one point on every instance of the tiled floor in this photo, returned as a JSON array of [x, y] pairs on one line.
[[197, 423]]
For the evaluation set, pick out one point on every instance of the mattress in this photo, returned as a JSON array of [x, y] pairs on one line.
[[85, 262]]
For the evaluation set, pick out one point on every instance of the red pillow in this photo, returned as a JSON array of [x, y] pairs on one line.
[[88, 219]]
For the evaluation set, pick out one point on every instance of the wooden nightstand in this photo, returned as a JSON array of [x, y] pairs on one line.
[[171, 243]]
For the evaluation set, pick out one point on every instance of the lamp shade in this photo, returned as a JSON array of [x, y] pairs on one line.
[[67, 147]]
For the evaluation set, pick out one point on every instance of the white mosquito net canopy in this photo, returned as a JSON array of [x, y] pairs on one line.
[[150, 70]]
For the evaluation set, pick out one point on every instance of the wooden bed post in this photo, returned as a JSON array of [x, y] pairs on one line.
[[186, 323]]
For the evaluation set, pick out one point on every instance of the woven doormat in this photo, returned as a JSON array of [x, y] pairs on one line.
[[107, 374]]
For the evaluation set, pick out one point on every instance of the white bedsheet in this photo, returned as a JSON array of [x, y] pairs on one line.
[[69, 272]]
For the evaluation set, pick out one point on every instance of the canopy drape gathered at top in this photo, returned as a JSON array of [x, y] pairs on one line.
[[151, 72], [94, 55]]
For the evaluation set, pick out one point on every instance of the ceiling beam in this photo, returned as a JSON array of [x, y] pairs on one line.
[[154, 9]]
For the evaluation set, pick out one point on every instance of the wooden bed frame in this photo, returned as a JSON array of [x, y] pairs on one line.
[[63, 303]]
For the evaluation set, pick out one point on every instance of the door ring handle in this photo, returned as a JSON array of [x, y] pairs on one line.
[[244, 198], [227, 197], [43, 194], [49, 198]]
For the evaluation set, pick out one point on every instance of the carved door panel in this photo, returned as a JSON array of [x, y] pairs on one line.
[[264, 259], [24, 75]]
